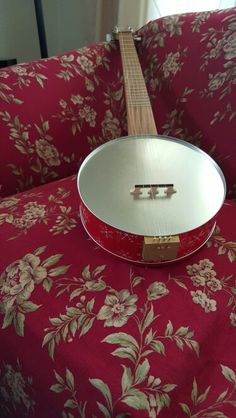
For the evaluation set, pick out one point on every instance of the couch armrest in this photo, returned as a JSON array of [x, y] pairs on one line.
[[53, 112], [189, 62]]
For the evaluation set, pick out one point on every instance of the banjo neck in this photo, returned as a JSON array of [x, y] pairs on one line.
[[139, 110]]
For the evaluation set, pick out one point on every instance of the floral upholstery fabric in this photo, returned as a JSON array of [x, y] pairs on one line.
[[51, 115], [83, 333]]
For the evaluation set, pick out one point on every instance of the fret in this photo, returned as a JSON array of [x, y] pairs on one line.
[[136, 89], [138, 104], [137, 99]]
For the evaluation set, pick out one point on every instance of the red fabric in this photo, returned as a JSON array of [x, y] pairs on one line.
[[83, 333], [161, 295]]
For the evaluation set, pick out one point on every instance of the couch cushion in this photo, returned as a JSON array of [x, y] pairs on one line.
[[87, 334]]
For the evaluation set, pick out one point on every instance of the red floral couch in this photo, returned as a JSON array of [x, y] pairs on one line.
[[83, 333]]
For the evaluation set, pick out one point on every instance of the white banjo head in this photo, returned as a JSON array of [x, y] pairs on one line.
[[178, 186]]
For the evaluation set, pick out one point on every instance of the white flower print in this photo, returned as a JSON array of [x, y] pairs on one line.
[[110, 126], [207, 273], [33, 210], [47, 152], [63, 103], [4, 74], [173, 25], [199, 297], [233, 319], [24, 222], [194, 269], [230, 47], [171, 64], [21, 71], [13, 387], [76, 99], [86, 64], [205, 263], [215, 52], [19, 279], [214, 284], [9, 202], [157, 290], [198, 280], [216, 81], [118, 308], [88, 114], [202, 274]]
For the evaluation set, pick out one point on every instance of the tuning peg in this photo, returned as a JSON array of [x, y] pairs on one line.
[[169, 191], [153, 192], [109, 37], [136, 191]]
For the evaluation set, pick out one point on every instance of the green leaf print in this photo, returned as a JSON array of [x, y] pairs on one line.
[[19, 320], [137, 400], [142, 371], [214, 408], [104, 389], [228, 374], [125, 340]]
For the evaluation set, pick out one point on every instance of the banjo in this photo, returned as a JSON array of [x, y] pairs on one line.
[[145, 197]]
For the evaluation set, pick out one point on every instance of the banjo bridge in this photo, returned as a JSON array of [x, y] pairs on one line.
[[152, 190], [160, 248]]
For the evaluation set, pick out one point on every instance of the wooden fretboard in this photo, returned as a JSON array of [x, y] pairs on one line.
[[139, 110]]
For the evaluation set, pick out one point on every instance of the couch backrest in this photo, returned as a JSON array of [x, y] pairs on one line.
[[53, 112]]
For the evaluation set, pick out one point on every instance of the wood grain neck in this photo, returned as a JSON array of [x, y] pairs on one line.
[[139, 109]]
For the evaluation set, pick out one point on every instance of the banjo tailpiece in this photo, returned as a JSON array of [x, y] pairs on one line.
[[160, 248]]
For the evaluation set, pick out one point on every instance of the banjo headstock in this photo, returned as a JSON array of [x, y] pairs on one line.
[[114, 36]]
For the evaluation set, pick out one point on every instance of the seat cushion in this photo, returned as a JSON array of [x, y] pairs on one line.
[[86, 334]]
